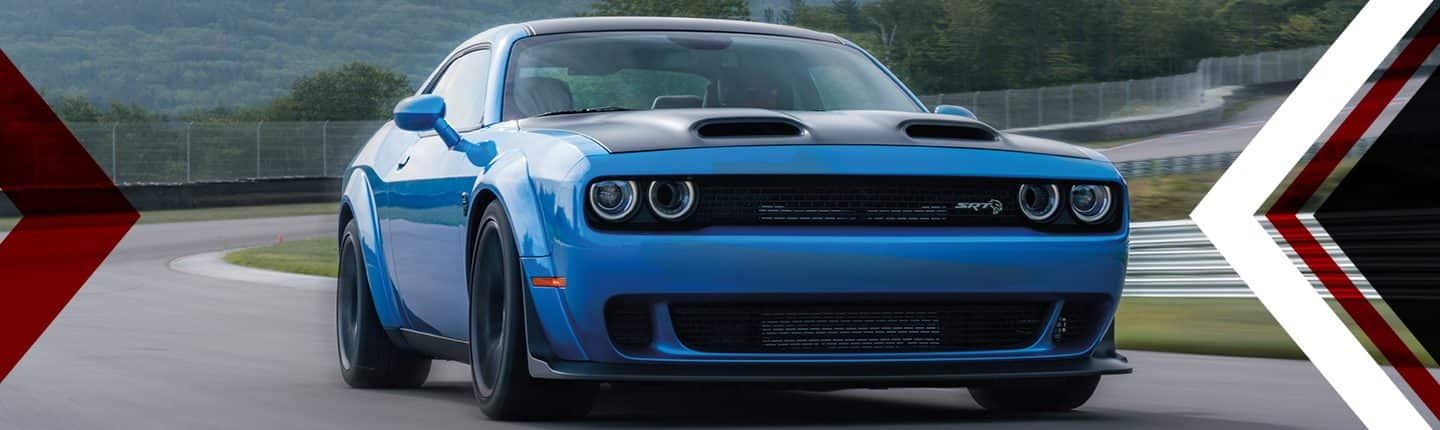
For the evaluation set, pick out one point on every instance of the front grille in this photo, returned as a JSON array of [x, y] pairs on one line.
[[838, 328], [921, 201], [856, 201]]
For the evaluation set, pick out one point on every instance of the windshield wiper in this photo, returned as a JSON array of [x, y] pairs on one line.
[[585, 110]]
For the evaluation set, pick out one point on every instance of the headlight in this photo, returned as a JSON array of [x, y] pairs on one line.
[[672, 200], [613, 200], [1091, 203], [1039, 201]]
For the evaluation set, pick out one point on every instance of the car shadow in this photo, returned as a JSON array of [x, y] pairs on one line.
[[647, 407]]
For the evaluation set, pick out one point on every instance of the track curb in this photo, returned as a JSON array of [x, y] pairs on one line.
[[213, 265]]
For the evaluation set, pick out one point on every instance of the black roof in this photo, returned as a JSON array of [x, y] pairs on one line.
[[629, 23]]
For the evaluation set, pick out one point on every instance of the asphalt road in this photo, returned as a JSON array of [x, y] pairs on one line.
[[144, 347], [1234, 133]]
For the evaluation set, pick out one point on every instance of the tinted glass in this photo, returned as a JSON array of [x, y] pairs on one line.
[[463, 87], [670, 70]]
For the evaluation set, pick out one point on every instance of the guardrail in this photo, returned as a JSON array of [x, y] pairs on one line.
[[1174, 259], [1177, 165]]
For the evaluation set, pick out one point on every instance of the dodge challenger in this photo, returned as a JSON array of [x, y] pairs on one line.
[[575, 202]]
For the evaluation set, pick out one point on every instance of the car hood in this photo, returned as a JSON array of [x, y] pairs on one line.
[[665, 129]]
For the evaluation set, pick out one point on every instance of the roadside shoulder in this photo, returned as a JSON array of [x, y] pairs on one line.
[[212, 264]]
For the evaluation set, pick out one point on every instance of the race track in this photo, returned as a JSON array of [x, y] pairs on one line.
[[1235, 133], [144, 347]]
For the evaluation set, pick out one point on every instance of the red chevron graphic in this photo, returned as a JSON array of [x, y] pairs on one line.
[[1283, 216], [73, 216]]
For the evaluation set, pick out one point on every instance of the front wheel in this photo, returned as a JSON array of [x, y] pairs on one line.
[[1036, 395], [498, 355]]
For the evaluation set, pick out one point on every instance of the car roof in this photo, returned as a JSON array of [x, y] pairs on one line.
[[629, 23]]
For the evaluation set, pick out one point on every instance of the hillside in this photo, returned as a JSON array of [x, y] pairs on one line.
[[177, 56], [183, 55]]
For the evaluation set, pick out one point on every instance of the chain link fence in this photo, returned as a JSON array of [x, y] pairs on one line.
[[175, 152], [136, 153], [1035, 107], [169, 152]]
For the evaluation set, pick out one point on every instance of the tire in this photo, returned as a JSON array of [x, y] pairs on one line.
[[498, 354], [367, 357], [1037, 395]]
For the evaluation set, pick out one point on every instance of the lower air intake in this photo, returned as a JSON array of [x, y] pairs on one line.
[[842, 328]]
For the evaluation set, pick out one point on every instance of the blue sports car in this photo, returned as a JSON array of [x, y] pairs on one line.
[[572, 202]]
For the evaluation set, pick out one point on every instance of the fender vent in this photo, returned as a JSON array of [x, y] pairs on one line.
[[748, 129], [952, 132]]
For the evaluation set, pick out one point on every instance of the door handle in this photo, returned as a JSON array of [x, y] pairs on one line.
[[403, 162]]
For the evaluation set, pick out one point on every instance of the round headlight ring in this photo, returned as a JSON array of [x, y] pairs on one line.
[[1090, 203], [1039, 202], [672, 200], [614, 200]]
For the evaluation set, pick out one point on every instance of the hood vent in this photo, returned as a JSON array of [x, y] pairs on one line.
[[949, 132], [748, 129]]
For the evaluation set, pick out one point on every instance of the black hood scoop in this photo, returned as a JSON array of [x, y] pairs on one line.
[[667, 129], [950, 132], [722, 128]]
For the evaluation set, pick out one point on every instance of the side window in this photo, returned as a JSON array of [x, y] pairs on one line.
[[462, 84]]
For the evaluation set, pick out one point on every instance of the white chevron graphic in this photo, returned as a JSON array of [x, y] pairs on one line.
[[1227, 215]]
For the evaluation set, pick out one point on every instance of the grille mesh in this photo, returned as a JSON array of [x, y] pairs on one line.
[[629, 324], [819, 328], [827, 200], [856, 200], [1078, 321]]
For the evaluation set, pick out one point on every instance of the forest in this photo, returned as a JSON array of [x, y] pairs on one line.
[[215, 59]]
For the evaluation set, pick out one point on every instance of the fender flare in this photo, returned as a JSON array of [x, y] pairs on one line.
[[359, 197], [507, 180]]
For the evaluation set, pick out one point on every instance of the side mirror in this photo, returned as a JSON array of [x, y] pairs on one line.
[[424, 113], [419, 113], [955, 110]]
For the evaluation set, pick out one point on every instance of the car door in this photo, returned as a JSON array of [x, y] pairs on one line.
[[429, 188]]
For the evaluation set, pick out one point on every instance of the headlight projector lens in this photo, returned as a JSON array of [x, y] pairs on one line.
[[1039, 201], [672, 200], [613, 200], [1091, 203]]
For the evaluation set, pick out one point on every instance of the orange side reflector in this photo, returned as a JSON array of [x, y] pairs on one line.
[[548, 282]]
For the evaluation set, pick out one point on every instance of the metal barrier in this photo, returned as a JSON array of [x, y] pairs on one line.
[[1174, 259], [1065, 104], [1178, 165]]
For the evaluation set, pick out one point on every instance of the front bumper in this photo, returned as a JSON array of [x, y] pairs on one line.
[[795, 264], [790, 264], [846, 375]]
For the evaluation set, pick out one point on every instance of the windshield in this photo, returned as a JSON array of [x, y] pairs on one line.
[[675, 70]]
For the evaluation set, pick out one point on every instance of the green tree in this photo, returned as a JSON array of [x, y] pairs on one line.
[[815, 18], [76, 109], [355, 91], [850, 10], [724, 9]]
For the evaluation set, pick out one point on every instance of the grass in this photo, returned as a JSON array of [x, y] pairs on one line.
[[310, 257], [1236, 327], [1172, 197], [1159, 198], [212, 214]]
